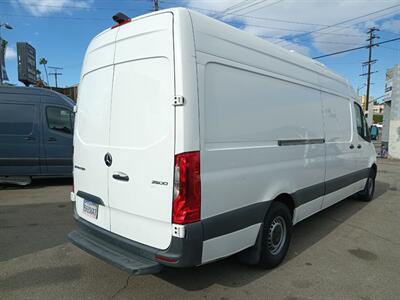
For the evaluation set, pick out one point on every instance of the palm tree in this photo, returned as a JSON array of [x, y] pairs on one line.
[[43, 62]]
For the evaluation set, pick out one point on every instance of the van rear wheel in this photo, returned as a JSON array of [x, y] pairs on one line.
[[277, 228]]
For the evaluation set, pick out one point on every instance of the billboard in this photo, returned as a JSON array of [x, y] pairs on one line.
[[26, 63], [388, 85], [3, 73]]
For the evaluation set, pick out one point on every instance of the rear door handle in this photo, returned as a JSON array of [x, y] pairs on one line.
[[351, 146], [358, 146], [121, 176], [29, 138], [52, 139]]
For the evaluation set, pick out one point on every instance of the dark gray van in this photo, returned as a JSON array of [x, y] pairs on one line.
[[36, 130]]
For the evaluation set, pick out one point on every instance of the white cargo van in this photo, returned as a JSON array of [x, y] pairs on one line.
[[195, 141]]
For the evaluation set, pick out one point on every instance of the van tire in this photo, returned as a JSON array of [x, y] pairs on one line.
[[276, 234], [367, 194]]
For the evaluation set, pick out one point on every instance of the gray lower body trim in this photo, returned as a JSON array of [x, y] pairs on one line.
[[35, 161], [234, 220], [320, 189], [241, 218], [59, 161], [19, 162], [343, 181]]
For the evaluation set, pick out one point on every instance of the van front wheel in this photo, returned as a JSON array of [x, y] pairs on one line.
[[368, 192], [277, 228]]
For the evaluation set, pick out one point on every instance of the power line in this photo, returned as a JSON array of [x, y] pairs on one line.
[[58, 17], [248, 6], [296, 30], [356, 48], [80, 7], [235, 6], [265, 6], [249, 17], [55, 74], [334, 32], [325, 26], [346, 21]]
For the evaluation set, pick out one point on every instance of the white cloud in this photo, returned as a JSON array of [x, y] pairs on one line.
[[350, 37], [10, 53], [391, 25], [45, 7], [265, 33], [286, 22]]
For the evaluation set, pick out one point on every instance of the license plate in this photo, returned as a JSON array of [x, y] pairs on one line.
[[90, 209]]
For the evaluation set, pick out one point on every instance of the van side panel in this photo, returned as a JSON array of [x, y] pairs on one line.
[[255, 143], [186, 116], [19, 134], [253, 151]]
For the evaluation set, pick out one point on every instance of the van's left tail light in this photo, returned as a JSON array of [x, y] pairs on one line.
[[187, 196]]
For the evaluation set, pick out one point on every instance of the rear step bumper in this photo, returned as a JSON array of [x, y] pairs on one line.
[[126, 261], [136, 258]]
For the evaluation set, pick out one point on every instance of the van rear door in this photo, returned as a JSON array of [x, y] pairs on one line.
[[142, 132], [92, 128]]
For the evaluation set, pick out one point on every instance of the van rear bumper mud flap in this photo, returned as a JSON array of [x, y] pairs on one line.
[[134, 257]]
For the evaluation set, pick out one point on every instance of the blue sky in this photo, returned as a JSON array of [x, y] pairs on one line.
[[60, 30]]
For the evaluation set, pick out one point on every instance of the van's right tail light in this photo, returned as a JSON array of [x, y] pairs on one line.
[[187, 197]]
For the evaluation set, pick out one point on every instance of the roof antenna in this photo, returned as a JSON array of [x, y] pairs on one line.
[[120, 18]]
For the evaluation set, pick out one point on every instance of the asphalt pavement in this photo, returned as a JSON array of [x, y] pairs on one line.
[[349, 251]]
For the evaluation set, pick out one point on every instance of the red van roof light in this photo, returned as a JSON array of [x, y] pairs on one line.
[[121, 19]]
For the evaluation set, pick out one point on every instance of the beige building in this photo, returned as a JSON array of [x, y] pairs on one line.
[[379, 109]]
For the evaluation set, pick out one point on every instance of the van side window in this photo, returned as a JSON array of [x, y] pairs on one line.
[[60, 119], [362, 126], [16, 119]]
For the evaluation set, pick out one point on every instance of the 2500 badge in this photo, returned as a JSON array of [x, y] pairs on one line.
[[159, 182]]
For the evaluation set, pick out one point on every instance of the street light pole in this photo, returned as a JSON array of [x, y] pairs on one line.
[[6, 26]]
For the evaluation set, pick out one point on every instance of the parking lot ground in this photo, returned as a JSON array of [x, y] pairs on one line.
[[349, 251]]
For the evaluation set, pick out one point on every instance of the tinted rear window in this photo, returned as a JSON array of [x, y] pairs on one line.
[[16, 119]]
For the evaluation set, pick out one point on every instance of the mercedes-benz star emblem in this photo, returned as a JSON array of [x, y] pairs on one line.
[[108, 159]]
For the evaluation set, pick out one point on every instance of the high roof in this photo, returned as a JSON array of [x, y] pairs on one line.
[[22, 90]]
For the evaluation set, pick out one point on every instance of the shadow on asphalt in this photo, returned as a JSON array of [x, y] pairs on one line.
[[38, 183], [40, 277], [230, 273]]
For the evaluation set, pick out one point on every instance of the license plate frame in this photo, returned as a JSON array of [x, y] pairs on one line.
[[90, 209]]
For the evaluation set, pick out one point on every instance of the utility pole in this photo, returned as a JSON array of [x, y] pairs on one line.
[[370, 62], [155, 3], [56, 73]]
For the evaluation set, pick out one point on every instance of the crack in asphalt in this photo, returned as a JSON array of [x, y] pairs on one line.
[[122, 288]]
